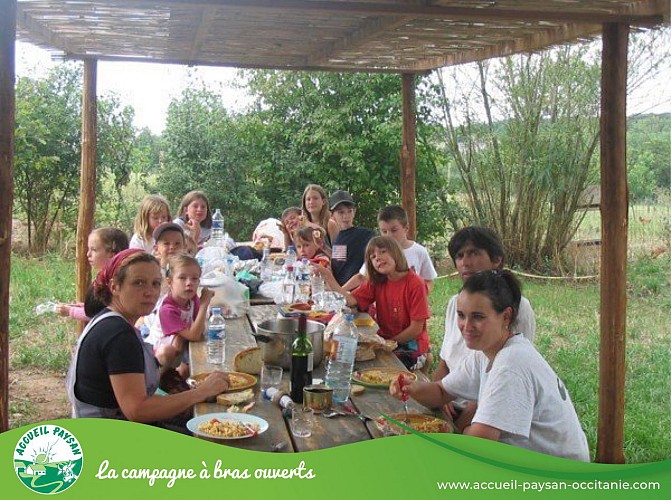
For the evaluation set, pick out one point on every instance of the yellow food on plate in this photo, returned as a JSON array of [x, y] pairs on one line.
[[236, 380], [379, 377], [367, 321], [228, 428], [417, 422]]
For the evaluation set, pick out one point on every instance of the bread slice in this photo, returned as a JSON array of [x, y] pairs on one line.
[[365, 352], [235, 398], [249, 361]]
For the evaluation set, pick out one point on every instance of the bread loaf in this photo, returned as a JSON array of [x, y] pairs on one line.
[[236, 398], [249, 361]]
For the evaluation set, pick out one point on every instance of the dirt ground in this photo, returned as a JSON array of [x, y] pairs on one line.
[[36, 396]]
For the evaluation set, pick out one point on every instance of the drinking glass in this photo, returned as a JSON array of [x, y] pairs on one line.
[[271, 376], [317, 290], [302, 421]]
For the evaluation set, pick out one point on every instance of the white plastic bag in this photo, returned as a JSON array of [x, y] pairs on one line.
[[231, 296]]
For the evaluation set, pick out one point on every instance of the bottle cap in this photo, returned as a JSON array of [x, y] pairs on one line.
[[216, 310]]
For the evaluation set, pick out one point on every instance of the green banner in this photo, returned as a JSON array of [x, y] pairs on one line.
[[99, 459]]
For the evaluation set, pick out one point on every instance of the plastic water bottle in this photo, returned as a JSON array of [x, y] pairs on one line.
[[290, 259], [266, 265], [216, 338], [341, 358], [47, 307], [303, 281], [217, 233], [289, 286]]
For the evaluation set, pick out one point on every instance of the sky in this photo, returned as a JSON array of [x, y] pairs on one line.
[[149, 88]]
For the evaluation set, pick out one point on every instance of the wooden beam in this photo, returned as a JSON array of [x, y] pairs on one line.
[[408, 153], [420, 10], [368, 29], [7, 110], [298, 66], [87, 188], [542, 39], [206, 19], [614, 222]]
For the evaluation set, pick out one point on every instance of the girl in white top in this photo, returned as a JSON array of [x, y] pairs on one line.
[[153, 211], [520, 399]]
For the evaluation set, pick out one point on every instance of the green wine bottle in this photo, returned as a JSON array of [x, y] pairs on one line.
[[301, 360]]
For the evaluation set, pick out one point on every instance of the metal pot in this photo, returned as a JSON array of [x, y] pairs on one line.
[[277, 335]]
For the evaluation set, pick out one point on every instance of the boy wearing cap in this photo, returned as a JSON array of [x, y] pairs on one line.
[[349, 246], [169, 241]]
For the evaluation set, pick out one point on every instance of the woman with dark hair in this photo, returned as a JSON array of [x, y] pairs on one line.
[[113, 373], [520, 399]]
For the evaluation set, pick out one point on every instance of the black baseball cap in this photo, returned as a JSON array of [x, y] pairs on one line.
[[339, 197], [167, 226]]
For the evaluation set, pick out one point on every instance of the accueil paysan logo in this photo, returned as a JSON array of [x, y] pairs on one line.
[[48, 459]]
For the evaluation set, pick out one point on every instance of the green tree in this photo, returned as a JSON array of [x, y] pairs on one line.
[[522, 133], [115, 154], [649, 154], [340, 131], [48, 124], [202, 152], [48, 149], [343, 131], [525, 164]]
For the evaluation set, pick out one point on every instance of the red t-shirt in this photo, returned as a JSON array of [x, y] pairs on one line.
[[398, 303]]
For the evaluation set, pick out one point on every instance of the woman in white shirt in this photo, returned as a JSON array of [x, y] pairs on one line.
[[520, 399]]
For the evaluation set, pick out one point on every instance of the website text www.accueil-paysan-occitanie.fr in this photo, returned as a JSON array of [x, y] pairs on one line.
[[538, 486]]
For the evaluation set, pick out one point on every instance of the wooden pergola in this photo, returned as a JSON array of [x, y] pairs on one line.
[[395, 36]]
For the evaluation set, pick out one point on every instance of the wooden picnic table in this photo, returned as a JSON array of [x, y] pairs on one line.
[[326, 432]]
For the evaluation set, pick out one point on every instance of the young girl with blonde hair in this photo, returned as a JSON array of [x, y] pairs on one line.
[[181, 313], [103, 244], [154, 210]]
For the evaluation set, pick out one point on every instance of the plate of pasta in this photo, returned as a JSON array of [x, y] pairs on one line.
[[379, 377], [415, 421], [238, 381], [226, 426]]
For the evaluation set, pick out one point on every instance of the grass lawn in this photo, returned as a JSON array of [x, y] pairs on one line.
[[567, 333]]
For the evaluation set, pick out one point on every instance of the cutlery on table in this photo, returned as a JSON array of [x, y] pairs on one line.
[[404, 397]]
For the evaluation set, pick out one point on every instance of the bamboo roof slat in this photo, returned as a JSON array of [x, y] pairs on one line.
[[337, 35]]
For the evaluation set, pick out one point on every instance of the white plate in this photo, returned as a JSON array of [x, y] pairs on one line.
[[195, 422]]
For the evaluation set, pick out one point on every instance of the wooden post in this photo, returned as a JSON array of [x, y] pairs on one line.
[[614, 222], [87, 188], [408, 154], [7, 110]]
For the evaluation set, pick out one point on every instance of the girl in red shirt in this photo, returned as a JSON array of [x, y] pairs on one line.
[[400, 298]]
